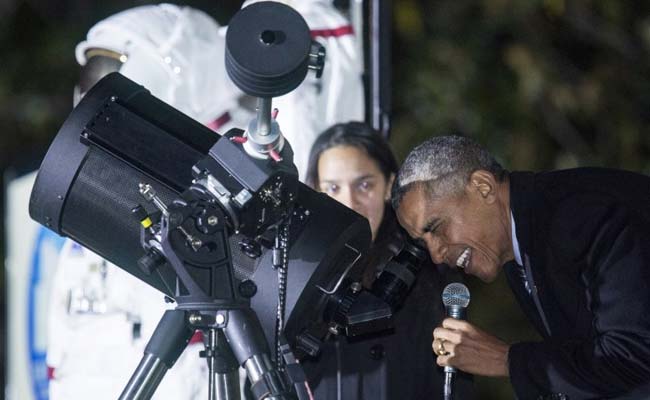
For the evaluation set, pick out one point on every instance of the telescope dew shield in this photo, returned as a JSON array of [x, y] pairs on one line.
[[117, 137]]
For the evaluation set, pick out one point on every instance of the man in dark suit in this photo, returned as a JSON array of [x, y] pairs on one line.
[[575, 246]]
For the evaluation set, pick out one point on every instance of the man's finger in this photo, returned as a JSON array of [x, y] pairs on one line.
[[447, 334], [438, 331], [457, 324], [442, 361], [443, 347]]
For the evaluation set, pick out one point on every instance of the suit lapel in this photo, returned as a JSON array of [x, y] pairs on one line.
[[526, 302], [522, 203], [534, 293]]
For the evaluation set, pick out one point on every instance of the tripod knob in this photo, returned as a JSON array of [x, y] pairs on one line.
[[247, 288], [149, 262], [317, 58]]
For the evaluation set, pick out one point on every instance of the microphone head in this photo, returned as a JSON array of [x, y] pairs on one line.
[[455, 295]]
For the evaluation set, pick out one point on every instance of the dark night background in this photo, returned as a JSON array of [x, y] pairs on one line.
[[544, 84]]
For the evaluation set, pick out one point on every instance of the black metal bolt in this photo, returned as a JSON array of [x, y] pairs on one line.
[[377, 352], [247, 288]]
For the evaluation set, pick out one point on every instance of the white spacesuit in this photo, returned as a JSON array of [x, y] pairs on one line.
[[100, 318]]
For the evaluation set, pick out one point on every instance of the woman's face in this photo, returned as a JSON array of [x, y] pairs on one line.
[[349, 175]]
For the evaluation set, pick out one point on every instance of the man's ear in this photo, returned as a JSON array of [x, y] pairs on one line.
[[484, 184]]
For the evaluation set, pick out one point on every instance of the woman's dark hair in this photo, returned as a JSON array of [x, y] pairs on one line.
[[356, 134]]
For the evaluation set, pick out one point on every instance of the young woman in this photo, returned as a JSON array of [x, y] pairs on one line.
[[354, 165]]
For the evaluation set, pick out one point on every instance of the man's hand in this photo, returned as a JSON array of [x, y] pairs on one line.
[[470, 349]]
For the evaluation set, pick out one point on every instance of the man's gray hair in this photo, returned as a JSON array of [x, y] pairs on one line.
[[443, 164]]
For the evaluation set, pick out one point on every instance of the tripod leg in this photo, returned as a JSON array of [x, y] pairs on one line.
[[223, 369], [165, 346], [248, 344]]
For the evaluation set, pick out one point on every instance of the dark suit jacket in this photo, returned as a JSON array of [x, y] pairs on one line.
[[584, 236]]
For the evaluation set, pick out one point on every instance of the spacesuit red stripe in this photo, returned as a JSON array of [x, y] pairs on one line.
[[197, 337], [335, 32], [219, 122]]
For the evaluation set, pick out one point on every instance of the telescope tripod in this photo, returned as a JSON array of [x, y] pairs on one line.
[[233, 337]]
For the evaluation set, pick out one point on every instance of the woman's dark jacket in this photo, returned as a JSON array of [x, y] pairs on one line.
[[395, 365]]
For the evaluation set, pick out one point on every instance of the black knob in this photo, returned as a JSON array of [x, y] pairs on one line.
[[317, 58], [267, 49], [247, 288], [151, 261], [377, 352], [139, 212]]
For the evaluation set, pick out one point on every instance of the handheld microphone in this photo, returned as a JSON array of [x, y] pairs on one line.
[[456, 298]]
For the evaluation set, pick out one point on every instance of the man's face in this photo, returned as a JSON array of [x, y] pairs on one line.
[[465, 230]]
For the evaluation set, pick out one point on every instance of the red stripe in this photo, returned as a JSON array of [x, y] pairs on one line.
[[197, 337], [336, 32], [50, 373], [219, 122]]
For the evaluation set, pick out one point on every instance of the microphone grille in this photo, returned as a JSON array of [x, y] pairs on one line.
[[455, 294]]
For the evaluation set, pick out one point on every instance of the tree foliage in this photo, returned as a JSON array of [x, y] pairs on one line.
[[544, 83]]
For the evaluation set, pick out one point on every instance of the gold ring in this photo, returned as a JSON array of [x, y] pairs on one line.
[[440, 348]]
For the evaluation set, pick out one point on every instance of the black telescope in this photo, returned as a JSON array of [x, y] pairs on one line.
[[219, 224], [120, 136]]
